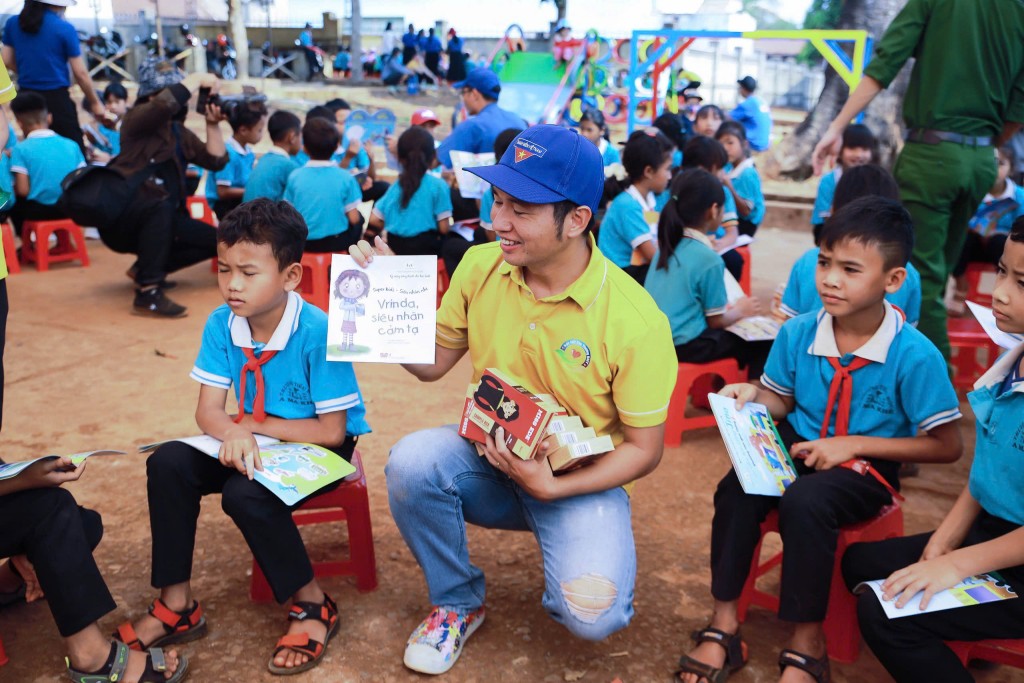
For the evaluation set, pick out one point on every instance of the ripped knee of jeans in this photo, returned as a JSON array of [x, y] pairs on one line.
[[589, 596]]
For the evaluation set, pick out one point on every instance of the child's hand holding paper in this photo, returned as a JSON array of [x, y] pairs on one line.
[[928, 577], [743, 393], [240, 450], [824, 454]]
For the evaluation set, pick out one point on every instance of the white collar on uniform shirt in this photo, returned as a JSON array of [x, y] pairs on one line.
[[278, 151], [320, 163], [241, 333], [1002, 367], [237, 146], [875, 349], [742, 166], [41, 133], [699, 236], [1009, 193], [648, 202]]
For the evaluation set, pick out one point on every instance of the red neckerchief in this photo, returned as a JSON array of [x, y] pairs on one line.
[[253, 365]]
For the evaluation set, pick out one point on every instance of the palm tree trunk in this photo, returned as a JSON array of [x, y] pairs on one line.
[[356, 45], [236, 30]]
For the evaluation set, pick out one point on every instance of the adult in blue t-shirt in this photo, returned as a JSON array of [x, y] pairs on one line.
[[41, 45], [754, 114], [476, 134], [432, 54], [410, 43]]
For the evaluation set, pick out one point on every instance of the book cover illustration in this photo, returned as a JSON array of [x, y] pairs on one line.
[[12, 469], [372, 129], [756, 328], [986, 220], [974, 590], [755, 448], [384, 313], [499, 402]]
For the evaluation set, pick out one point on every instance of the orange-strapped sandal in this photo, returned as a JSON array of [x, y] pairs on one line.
[[327, 614], [179, 627]]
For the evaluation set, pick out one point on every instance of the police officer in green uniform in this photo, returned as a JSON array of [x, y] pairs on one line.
[[966, 96]]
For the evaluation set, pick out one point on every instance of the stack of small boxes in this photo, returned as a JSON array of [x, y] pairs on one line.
[[529, 420]]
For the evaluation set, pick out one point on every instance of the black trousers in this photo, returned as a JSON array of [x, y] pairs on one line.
[[912, 648], [58, 538], [746, 227], [407, 54], [163, 236], [454, 246], [178, 477], [334, 244], [432, 61], [4, 309], [734, 263], [29, 210], [811, 512], [376, 191], [424, 244], [717, 344], [64, 113], [221, 207], [978, 249]]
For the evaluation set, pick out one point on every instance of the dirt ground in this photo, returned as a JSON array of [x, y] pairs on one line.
[[82, 374]]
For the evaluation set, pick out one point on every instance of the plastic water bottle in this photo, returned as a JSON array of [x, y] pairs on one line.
[[412, 86]]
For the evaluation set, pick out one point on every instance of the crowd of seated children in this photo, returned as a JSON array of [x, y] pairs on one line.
[[889, 390], [354, 155], [981, 533], [990, 226], [416, 211], [708, 154], [629, 223], [801, 294], [270, 175], [687, 277], [859, 147], [272, 347], [594, 128], [740, 177], [226, 187], [39, 162], [326, 195]]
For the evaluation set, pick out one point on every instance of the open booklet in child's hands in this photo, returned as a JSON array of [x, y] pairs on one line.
[[291, 471], [760, 459], [12, 469], [752, 328], [974, 590]]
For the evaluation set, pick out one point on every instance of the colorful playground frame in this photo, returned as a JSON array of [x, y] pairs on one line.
[[654, 52]]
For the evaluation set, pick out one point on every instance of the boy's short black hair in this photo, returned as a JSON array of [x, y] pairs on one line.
[[320, 112], [115, 90], [676, 128], [264, 221], [248, 115], [704, 152], [859, 136], [645, 148], [1017, 230], [29, 107], [338, 104], [875, 222], [320, 138], [862, 181], [280, 123], [504, 139]]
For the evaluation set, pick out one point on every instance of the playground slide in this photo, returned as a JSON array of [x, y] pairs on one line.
[[532, 87]]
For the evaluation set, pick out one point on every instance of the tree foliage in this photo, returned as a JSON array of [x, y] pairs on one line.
[[822, 14]]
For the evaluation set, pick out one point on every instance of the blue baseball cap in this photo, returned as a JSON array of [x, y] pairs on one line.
[[482, 79], [546, 164]]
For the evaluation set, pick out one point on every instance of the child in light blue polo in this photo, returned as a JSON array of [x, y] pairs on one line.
[[857, 402], [270, 176], [708, 154], [416, 211], [980, 534], [627, 226], [6, 181], [327, 196], [226, 188], [39, 162], [859, 148], [741, 178]]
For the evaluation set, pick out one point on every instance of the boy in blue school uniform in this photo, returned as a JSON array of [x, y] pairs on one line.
[[270, 176], [892, 401], [983, 532], [226, 187], [327, 196], [39, 163], [271, 346]]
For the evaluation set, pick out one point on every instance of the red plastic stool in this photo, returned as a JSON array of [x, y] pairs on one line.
[[1008, 652], [697, 379], [443, 281], [841, 630], [3, 654], [315, 286], [747, 268], [974, 273], [966, 336], [10, 251], [70, 243], [349, 503]]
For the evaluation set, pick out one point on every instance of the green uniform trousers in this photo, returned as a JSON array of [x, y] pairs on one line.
[[942, 186]]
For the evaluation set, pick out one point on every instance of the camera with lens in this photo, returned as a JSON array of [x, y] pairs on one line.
[[233, 105]]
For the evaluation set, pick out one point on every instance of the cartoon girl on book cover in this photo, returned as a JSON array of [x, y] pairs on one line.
[[351, 288]]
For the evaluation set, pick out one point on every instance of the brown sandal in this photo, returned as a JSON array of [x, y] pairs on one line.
[[817, 668], [327, 614], [179, 627], [735, 655]]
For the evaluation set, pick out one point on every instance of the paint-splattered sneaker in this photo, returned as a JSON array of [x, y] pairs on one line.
[[436, 644]]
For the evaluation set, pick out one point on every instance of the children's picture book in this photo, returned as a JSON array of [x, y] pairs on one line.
[[470, 186], [12, 469], [370, 128], [984, 315], [384, 313], [987, 219], [291, 471], [741, 241], [760, 459], [974, 590], [756, 328]]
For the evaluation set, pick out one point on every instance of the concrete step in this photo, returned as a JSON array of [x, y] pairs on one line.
[[788, 215]]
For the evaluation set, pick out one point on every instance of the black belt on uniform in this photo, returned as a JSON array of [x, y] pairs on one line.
[[934, 137]]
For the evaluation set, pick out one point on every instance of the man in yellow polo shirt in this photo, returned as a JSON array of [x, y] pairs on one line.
[[546, 306]]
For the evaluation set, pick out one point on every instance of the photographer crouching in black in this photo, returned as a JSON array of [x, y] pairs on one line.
[[156, 149]]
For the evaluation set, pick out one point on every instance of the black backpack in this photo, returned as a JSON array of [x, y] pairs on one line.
[[97, 196]]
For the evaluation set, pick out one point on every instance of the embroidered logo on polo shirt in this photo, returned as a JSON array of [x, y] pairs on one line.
[[526, 149], [1018, 438], [878, 399], [574, 353], [293, 392]]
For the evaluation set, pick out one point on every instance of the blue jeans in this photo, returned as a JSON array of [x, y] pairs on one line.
[[437, 483]]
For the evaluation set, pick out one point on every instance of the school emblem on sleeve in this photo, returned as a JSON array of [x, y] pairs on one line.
[[526, 149], [574, 353]]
